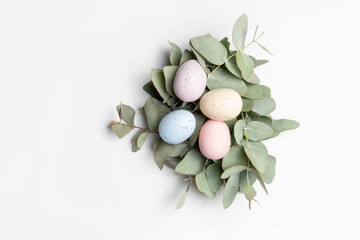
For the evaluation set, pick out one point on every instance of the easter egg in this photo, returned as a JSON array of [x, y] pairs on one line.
[[214, 139], [221, 104], [177, 126], [190, 81]]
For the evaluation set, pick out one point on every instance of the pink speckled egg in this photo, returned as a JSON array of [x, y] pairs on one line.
[[190, 81], [214, 139]]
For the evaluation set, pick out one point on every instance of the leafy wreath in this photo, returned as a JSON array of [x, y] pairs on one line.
[[247, 160]]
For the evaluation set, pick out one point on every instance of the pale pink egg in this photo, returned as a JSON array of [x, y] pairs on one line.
[[214, 139], [190, 81]]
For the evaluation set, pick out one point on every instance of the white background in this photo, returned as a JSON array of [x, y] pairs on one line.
[[65, 65]]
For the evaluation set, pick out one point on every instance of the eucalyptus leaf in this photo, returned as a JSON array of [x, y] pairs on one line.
[[245, 64], [235, 156], [264, 48], [285, 124], [265, 90], [264, 105], [156, 143], [230, 190], [239, 32], [239, 131], [244, 176], [134, 146], [126, 113], [257, 131], [175, 54], [151, 114], [187, 55], [256, 158], [233, 170], [247, 104], [213, 175], [179, 149], [203, 185], [253, 79], [261, 181], [226, 43], [200, 119], [256, 145], [162, 152], [231, 123], [141, 139], [254, 91], [150, 89], [181, 200], [162, 110], [201, 60], [232, 66], [169, 73], [258, 62], [269, 173], [121, 130], [210, 48], [172, 101], [172, 163], [249, 192], [192, 164], [222, 78], [158, 80]]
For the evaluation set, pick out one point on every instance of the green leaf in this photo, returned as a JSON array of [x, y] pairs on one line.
[[257, 131], [179, 149], [172, 101], [151, 90], [264, 48], [213, 175], [163, 110], [232, 66], [181, 200], [134, 146], [258, 62], [269, 173], [141, 139], [187, 55], [285, 124], [233, 170], [126, 113], [162, 152], [265, 90], [201, 60], [203, 185], [156, 143], [230, 190], [158, 79], [239, 32], [226, 43], [244, 179], [151, 114], [254, 79], [247, 104], [169, 73], [175, 54], [254, 91], [172, 162], [192, 164], [200, 119], [256, 145], [249, 192], [256, 158], [245, 64], [264, 105], [231, 123], [210, 48], [239, 131], [235, 156], [121, 130], [261, 181], [222, 78]]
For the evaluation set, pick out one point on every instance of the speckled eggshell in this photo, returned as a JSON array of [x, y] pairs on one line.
[[214, 139], [221, 104], [177, 126], [190, 81]]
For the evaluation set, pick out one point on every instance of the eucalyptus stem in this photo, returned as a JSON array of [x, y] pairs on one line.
[[133, 126]]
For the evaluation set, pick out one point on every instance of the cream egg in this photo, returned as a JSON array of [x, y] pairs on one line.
[[214, 139], [221, 104], [190, 81]]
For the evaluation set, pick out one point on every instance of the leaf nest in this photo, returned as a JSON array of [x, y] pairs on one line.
[[248, 160]]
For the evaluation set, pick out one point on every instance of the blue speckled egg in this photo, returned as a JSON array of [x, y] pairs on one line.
[[177, 126]]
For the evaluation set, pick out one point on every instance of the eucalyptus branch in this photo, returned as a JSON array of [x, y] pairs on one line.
[[133, 126]]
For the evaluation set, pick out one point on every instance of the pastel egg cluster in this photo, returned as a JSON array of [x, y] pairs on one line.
[[219, 105]]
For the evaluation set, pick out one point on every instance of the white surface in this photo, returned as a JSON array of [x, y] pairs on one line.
[[65, 65]]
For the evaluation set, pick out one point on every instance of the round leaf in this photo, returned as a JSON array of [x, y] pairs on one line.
[[235, 156], [192, 164], [245, 64], [254, 91], [169, 74], [233, 170], [213, 175], [239, 32], [256, 158], [121, 130], [232, 66], [269, 173], [285, 124], [151, 114], [162, 153], [264, 105], [257, 131], [239, 131], [203, 185], [222, 78], [210, 48], [158, 79], [175, 54], [141, 139], [247, 104]]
